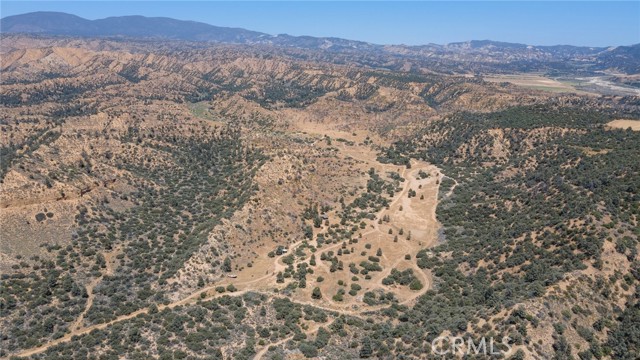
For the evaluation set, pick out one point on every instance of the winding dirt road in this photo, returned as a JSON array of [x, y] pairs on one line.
[[412, 181]]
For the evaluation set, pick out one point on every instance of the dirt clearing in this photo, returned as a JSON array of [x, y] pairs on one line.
[[625, 124]]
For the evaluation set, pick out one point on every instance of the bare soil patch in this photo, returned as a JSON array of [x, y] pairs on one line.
[[535, 82], [625, 124]]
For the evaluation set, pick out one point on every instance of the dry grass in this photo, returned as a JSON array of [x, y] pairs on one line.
[[625, 124], [535, 82]]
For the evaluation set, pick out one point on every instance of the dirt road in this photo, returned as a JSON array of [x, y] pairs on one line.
[[410, 213]]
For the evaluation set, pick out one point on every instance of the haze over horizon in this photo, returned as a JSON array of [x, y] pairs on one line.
[[532, 23]]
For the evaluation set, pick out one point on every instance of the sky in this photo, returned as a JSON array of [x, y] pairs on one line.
[[585, 23]]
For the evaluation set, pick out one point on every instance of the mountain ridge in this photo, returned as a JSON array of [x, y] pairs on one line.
[[15, 25], [494, 54]]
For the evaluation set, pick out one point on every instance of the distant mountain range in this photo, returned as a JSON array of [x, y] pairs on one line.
[[56, 23], [488, 54]]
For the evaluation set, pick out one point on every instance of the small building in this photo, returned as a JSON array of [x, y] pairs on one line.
[[233, 276], [281, 250]]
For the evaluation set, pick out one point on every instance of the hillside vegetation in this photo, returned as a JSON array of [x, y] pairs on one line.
[[175, 201]]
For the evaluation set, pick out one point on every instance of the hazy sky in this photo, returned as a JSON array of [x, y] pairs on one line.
[[537, 23]]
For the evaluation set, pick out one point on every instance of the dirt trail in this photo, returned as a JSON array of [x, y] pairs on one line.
[[109, 260], [450, 192], [88, 329], [417, 218], [264, 350], [309, 331], [412, 181], [410, 215], [194, 296]]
